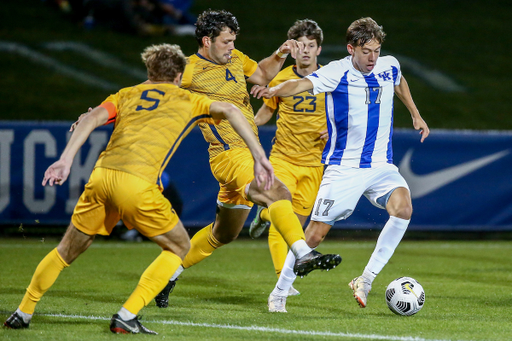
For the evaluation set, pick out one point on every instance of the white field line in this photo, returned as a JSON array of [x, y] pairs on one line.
[[54, 64], [97, 56], [261, 329]]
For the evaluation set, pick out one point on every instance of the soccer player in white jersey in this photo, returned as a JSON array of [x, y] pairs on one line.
[[359, 107]]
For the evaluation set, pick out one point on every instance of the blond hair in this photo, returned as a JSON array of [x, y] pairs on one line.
[[163, 62]]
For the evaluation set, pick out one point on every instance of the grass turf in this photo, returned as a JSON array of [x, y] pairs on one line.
[[467, 285]]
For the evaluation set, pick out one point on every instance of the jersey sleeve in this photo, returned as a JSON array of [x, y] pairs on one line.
[[110, 104], [249, 65], [397, 72], [187, 75], [326, 79], [201, 109]]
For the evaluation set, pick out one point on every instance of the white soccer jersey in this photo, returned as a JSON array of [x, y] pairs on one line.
[[359, 109]]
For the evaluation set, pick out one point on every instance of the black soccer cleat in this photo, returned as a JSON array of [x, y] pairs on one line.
[[162, 299], [315, 260], [15, 321], [133, 326]]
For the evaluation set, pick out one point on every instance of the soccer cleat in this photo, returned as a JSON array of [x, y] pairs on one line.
[[293, 292], [258, 225], [162, 299], [361, 290], [15, 321], [133, 326], [276, 304], [315, 260]]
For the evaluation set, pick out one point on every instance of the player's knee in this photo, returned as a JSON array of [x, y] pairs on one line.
[[280, 192], [403, 212]]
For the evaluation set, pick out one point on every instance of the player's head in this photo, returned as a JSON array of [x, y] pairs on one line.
[[308, 32], [364, 38], [216, 33], [164, 62]]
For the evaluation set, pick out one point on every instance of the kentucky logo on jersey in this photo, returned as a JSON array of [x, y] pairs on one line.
[[385, 76]]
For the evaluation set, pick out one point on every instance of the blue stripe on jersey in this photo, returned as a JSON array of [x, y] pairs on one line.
[[341, 105], [217, 136], [390, 143], [175, 145], [375, 91]]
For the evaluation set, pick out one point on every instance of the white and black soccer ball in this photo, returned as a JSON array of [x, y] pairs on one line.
[[405, 296]]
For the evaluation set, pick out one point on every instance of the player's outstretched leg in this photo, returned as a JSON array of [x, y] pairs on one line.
[[133, 326], [315, 260]]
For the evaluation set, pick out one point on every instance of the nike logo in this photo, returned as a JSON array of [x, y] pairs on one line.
[[421, 185], [134, 330]]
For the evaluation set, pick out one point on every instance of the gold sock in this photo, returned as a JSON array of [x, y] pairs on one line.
[[278, 249], [286, 222], [265, 214], [152, 281], [202, 246], [45, 275]]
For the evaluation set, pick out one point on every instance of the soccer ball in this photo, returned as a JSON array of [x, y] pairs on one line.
[[405, 296]]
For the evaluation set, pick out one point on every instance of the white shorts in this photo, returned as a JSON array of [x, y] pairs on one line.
[[342, 187]]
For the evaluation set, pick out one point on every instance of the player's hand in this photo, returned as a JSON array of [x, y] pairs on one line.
[[292, 47], [57, 173], [263, 173], [74, 125], [324, 135], [419, 124], [259, 91]]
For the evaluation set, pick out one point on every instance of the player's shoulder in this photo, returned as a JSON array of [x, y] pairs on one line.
[[389, 61], [284, 75]]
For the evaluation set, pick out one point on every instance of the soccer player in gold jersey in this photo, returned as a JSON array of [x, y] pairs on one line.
[[221, 72], [151, 119], [297, 147]]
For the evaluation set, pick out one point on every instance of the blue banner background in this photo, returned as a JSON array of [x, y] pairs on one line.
[[460, 180]]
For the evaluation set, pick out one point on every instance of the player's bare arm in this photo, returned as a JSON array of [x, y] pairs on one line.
[[58, 172], [263, 115], [270, 66], [404, 93], [288, 88], [263, 171]]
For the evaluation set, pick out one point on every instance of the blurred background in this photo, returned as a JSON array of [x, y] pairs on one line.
[[57, 58]]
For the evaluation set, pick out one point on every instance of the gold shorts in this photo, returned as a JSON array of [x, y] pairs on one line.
[[302, 182], [111, 195], [234, 170]]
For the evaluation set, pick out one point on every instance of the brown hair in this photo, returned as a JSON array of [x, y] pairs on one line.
[[211, 22], [363, 30], [306, 28], [164, 62]]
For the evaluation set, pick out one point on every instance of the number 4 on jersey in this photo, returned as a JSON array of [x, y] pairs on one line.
[[229, 76]]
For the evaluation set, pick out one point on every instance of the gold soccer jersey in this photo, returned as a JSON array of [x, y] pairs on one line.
[[151, 120], [300, 120], [222, 83]]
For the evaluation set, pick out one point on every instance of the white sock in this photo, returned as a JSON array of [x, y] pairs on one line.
[[177, 273], [387, 242], [300, 248], [287, 276], [125, 314], [26, 317]]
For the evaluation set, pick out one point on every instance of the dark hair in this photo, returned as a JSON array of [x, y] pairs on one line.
[[363, 30], [210, 23], [306, 28], [164, 62]]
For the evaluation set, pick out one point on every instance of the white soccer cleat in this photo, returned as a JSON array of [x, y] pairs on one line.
[[293, 292], [361, 290], [277, 304]]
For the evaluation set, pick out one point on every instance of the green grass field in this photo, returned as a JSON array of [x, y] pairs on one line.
[[467, 285]]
